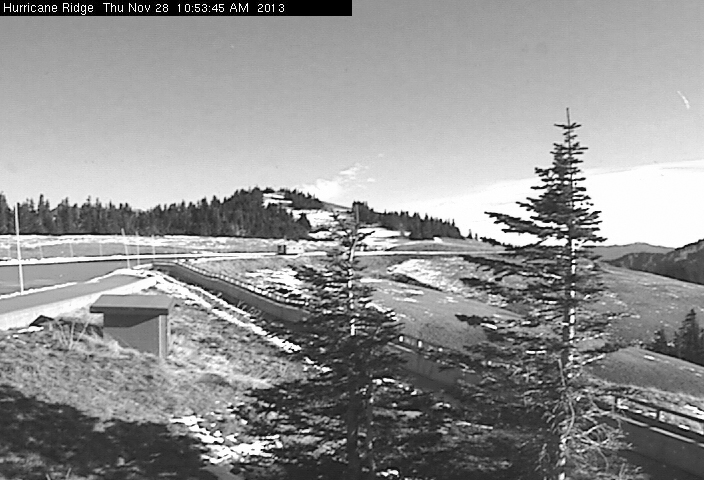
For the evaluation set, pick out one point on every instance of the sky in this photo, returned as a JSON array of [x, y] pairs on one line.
[[441, 107]]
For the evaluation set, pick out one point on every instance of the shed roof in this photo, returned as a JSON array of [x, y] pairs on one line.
[[133, 304]]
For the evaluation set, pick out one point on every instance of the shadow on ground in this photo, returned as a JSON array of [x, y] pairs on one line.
[[40, 440]]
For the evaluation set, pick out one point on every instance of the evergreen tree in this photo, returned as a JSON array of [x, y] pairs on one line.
[[349, 420], [541, 355], [688, 339], [302, 201], [46, 219], [6, 222], [304, 222]]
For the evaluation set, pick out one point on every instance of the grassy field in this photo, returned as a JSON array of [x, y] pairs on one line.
[[648, 302], [81, 407], [640, 303], [436, 316], [649, 370], [446, 245], [643, 302]]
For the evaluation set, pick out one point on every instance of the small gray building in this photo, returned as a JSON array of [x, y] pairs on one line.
[[137, 321]]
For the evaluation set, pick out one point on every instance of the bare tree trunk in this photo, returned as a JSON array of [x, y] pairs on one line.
[[369, 460], [354, 466], [569, 322]]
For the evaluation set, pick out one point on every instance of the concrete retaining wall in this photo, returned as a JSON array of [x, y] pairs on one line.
[[234, 293], [22, 318]]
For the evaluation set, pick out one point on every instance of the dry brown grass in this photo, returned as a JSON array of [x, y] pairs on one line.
[[69, 388]]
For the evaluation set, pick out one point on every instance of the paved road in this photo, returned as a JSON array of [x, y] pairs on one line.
[[21, 302], [44, 275]]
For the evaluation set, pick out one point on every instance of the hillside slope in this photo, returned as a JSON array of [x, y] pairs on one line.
[[639, 303], [78, 406], [685, 263]]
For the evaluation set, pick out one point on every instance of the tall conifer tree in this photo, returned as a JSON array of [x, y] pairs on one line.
[[562, 277], [350, 419]]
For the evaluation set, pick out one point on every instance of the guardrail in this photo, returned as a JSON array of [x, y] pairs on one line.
[[661, 417]]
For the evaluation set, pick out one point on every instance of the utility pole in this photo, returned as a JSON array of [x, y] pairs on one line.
[[19, 253]]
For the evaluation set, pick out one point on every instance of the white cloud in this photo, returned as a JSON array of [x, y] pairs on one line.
[[659, 204], [340, 186]]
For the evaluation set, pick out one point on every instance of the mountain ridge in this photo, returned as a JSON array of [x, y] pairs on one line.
[[685, 263], [613, 252]]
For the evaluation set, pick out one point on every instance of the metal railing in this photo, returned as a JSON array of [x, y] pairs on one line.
[[240, 283], [657, 415]]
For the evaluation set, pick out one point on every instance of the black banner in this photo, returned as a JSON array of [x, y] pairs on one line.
[[200, 9]]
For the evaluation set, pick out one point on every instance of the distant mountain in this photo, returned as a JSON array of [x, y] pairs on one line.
[[612, 252], [685, 263]]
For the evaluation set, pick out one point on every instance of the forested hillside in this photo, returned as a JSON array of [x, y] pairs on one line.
[[241, 215], [420, 228], [685, 263]]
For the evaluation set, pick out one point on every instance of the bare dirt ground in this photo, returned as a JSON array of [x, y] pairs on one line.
[[76, 406]]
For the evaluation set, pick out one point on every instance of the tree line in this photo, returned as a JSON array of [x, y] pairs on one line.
[[687, 342], [240, 215], [419, 228]]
